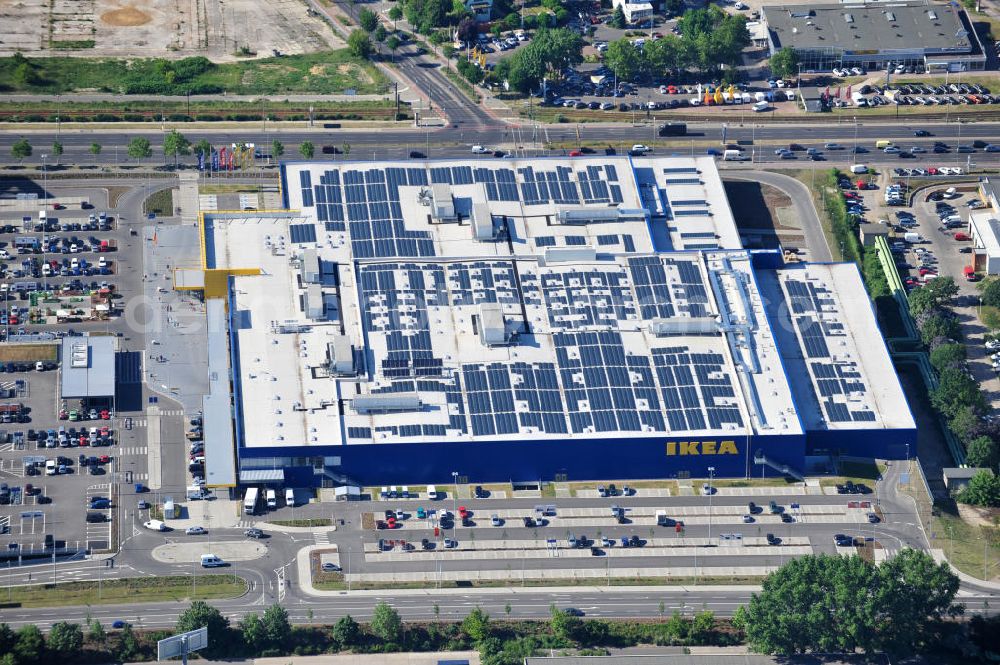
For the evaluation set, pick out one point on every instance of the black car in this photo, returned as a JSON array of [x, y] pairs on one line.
[[787, 518], [773, 540], [843, 540], [480, 492], [921, 132], [528, 521], [416, 154], [253, 532]]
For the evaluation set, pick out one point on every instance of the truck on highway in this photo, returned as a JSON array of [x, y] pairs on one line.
[[733, 156], [672, 129]]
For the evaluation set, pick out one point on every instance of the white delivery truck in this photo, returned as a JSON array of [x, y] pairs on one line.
[[289, 497], [272, 499], [250, 501], [760, 107], [169, 509], [733, 156], [912, 237], [859, 168]]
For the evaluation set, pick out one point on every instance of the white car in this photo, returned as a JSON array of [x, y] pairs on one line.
[[479, 150], [195, 531], [640, 149]]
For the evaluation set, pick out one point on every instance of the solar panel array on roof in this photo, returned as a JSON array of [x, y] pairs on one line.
[[587, 298], [837, 382], [540, 187], [302, 233]]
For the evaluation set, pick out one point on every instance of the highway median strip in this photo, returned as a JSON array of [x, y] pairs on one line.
[[131, 590]]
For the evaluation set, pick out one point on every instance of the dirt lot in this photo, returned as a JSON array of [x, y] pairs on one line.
[[160, 28]]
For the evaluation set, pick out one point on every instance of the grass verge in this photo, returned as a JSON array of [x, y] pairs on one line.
[[161, 202], [132, 590], [462, 84], [229, 189], [28, 352], [615, 581], [310, 522], [971, 548], [328, 72]]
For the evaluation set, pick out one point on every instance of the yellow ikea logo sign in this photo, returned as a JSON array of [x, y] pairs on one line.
[[701, 448]]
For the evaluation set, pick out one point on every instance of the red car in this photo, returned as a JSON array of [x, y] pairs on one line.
[[962, 236], [105, 431], [391, 523], [927, 271], [463, 512], [932, 171], [105, 415], [103, 459]]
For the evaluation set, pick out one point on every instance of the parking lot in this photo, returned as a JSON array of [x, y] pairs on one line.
[[67, 269]]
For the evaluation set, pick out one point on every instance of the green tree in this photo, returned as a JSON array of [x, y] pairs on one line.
[[564, 625], [663, 55], [24, 76], [393, 43], [201, 614], [57, 150], [702, 626], [139, 148], [380, 33], [176, 144], [95, 633], [673, 7], [277, 628], [477, 625], [368, 20], [203, 147], [983, 490], [346, 631], [624, 59], [20, 149], [618, 18], [966, 423], [8, 639], [785, 63], [937, 292], [252, 633], [989, 290], [955, 390], [912, 591], [359, 44], [395, 13], [386, 623], [947, 355], [982, 451], [128, 645], [822, 603], [427, 15], [307, 149], [30, 647], [939, 324], [277, 149], [95, 150], [65, 640]]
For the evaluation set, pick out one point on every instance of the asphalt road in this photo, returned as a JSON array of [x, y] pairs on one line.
[[819, 249], [395, 143]]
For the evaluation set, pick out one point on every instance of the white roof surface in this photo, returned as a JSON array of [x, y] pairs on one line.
[[986, 232]]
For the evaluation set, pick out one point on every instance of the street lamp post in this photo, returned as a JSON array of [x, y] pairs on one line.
[[711, 491]]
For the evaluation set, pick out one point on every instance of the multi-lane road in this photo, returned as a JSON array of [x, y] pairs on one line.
[[386, 143]]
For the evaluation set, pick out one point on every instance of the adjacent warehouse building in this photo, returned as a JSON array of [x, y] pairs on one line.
[[533, 320], [874, 35]]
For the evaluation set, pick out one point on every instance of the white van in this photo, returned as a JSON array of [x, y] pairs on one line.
[[50, 467], [272, 499], [733, 156], [155, 525], [211, 561], [760, 107], [432, 493], [859, 168], [289, 497]]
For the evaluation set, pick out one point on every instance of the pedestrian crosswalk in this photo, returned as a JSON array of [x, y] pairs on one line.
[[322, 537], [244, 524], [132, 450], [144, 421]]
